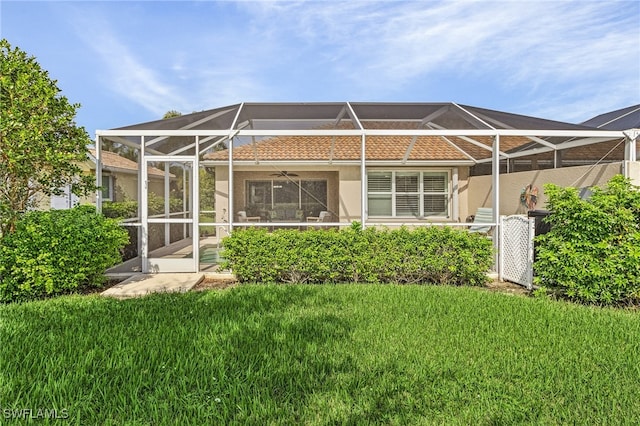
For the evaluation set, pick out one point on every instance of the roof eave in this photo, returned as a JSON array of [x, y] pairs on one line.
[[308, 163]]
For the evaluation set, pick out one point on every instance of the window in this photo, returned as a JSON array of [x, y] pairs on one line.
[[408, 194], [107, 187]]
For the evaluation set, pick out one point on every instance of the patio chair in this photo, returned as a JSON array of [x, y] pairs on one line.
[[242, 217], [324, 216], [483, 215]]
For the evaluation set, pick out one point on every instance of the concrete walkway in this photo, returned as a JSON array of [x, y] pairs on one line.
[[143, 284]]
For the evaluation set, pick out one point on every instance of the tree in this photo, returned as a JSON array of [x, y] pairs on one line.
[[592, 252], [171, 114], [41, 146]]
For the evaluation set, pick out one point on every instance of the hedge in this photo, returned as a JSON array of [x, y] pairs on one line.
[[426, 255], [592, 252], [58, 251]]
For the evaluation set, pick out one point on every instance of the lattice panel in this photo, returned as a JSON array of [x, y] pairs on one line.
[[516, 249]]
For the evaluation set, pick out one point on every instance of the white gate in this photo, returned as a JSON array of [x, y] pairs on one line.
[[516, 249]]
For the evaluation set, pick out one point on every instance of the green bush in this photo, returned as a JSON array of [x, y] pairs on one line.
[[592, 252], [58, 251], [129, 209], [120, 209], [435, 255]]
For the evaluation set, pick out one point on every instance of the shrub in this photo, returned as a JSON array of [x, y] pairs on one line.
[[120, 209], [436, 255], [58, 251], [129, 209], [592, 252]]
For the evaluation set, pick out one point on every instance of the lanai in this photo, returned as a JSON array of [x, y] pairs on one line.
[[469, 137]]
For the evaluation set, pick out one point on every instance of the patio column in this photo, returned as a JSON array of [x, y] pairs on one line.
[[495, 175], [98, 174], [143, 202], [630, 144], [195, 200], [557, 159], [230, 182], [167, 230], [363, 177]]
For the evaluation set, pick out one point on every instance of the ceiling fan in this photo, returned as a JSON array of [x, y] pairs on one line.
[[284, 173]]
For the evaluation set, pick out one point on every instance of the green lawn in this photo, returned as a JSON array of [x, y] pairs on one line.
[[347, 354]]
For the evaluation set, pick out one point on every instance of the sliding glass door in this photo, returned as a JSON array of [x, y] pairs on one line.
[[290, 199]]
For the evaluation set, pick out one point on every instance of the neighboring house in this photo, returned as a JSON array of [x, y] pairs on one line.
[[620, 119], [119, 181], [377, 163]]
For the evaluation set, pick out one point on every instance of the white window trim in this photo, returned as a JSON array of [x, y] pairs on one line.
[[421, 193]]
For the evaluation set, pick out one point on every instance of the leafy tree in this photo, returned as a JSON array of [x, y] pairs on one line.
[[592, 253], [171, 114], [41, 146]]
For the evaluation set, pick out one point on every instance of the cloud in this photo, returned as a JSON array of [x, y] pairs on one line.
[[561, 51], [544, 56], [125, 73]]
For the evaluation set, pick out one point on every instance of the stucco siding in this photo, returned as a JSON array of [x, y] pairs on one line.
[[512, 184], [344, 192], [633, 171]]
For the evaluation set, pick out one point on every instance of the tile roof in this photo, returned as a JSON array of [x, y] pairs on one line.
[[111, 160], [425, 148], [390, 148]]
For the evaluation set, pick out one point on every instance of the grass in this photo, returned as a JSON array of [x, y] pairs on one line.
[[347, 354]]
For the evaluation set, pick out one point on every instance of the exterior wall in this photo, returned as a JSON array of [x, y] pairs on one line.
[[511, 185], [222, 194], [350, 196], [463, 195], [344, 189], [632, 169]]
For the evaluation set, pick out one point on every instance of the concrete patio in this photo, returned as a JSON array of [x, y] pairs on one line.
[[143, 284]]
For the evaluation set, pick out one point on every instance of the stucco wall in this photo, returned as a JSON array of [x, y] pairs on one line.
[[222, 194], [511, 185], [344, 190], [633, 171], [350, 194]]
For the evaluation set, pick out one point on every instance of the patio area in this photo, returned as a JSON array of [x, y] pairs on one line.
[[276, 165], [209, 254]]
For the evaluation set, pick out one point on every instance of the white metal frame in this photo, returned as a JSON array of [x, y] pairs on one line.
[[577, 138], [150, 264]]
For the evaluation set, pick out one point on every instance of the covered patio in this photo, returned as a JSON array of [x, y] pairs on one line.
[[381, 164]]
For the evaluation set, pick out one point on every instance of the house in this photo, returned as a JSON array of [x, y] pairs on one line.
[[384, 164], [119, 181], [620, 119]]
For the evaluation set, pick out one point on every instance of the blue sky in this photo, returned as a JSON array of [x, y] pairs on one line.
[[130, 62]]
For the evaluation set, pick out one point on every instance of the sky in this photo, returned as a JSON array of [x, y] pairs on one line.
[[130, 62]]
